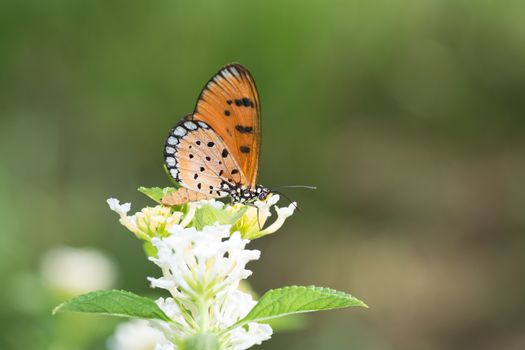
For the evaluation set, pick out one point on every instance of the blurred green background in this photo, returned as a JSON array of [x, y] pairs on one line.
[[409, 116]]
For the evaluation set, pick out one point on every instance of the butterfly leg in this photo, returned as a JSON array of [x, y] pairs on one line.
[[258, 219]]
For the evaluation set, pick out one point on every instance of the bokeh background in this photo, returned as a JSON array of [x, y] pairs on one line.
[[409, 116]]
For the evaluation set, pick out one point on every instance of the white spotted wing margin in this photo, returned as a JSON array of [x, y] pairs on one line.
[[197, 158]]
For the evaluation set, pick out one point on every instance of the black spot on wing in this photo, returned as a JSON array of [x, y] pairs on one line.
[[246, 102], [244, 149], [244, 129]]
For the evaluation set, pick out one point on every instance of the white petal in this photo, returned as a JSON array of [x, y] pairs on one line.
[[282, 215], [121, 209]]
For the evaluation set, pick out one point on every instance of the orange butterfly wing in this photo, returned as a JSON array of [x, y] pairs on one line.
[[229, 104], [198, 159]]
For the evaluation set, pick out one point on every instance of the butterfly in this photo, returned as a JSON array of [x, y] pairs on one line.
[[214, 152]]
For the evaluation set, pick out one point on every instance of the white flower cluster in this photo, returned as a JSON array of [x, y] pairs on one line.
[[202, 268], [202, 271]]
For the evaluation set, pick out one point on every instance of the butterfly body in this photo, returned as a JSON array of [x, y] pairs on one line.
[[241, 194], [214, 152]]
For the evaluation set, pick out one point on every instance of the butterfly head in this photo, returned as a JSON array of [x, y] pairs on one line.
[[242, 194], [262, 192]]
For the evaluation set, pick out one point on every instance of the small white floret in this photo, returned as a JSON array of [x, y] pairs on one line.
[[121, 209]]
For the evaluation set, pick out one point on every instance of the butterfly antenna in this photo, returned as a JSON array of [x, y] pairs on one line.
[[295, 186], [289, 200], [292, 186]]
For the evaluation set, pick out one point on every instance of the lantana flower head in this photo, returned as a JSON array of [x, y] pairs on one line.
[[250, 221], [202, 271], [201, 251]]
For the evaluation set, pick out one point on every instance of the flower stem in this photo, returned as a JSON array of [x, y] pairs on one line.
[[204, 314]]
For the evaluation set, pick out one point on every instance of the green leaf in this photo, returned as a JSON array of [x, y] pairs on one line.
[[282, 324], [205, 341], [297, 299], [209, 215], [289, 323], [156, 193], [114, 302]]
